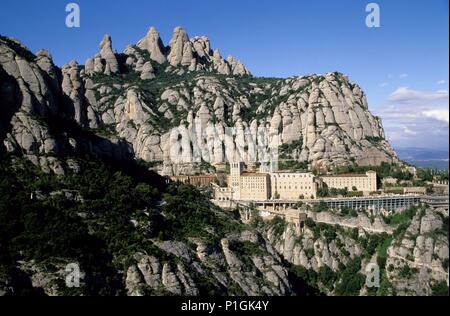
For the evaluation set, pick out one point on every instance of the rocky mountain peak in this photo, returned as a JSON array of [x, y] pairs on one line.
[[179, 48], [107, 53], [45, 62], [183, 55], [153, 44], [323, 120], [106, 43], [104, 62], [202, 46]]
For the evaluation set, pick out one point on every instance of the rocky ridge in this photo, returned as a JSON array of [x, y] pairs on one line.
[[260, 274], [181, 105], [418, 260]]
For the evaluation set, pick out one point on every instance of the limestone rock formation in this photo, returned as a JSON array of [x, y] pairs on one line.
[[153, 44], [419, 259], [224, 265], [330, 125], [26, 90], [180, 50], [35, 97], [104, 62], [73, 88], [147, 71], [183, 54], [107, 53], [415, 261], [319, 121], [45, 62]]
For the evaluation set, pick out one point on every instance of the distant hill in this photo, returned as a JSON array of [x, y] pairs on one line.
[[425, 157]]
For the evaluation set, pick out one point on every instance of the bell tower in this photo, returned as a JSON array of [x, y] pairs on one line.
[[236, 169]]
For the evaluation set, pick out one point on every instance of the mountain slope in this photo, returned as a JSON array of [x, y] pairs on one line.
[[410, 247], [69, 195], [128, 235], [174, 107]]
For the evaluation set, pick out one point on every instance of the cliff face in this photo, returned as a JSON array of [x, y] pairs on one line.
[[27, 91], [226, 267], [37, 118], [335, 250], [418, 259], [174, 106]]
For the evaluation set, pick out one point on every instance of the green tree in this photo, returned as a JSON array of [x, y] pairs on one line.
[[440, 289]]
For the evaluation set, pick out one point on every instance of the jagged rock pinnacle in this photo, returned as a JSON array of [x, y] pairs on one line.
[[177, 46], [108, 55], [154, 45]]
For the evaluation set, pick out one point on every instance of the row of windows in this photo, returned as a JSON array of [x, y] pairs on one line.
[[293, 175], [293, 183], [294, 188], [349, 180], [350, 183]]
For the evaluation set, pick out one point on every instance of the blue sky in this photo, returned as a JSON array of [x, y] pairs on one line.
[[402, 66]]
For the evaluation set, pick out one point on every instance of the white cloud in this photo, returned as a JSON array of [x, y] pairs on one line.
[[408, 131], [416, 118], [383, 84], [438, 114], [406, 95], [403, 76], [441, 82]]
